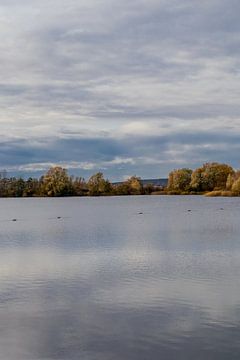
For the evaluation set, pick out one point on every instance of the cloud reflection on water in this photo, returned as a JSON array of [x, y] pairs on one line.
[[121, 286]]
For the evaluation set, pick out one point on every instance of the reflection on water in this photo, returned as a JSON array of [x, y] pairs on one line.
[[105, 282]]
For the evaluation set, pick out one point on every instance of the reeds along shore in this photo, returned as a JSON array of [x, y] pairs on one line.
[[211, 179]]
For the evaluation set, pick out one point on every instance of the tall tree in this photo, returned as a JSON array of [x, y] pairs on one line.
[[97, 185], [211, 176], [179, 180], [56, 182]]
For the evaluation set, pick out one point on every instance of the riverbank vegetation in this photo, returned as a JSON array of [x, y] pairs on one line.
[[211, 179], [57, 182]]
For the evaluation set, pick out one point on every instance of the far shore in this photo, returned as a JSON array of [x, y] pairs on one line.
[[211, 180]]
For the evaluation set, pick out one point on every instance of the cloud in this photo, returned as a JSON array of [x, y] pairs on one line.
[[79, 79]]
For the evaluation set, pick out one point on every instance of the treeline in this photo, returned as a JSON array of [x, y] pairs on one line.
[[57, 182], [211, 179]]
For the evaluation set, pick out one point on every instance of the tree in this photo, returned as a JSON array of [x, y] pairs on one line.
[[198, 180], [3, 185], [230, 182], [79, 186], [179, 180], [233, 182], [19, 187], [122, 189], [97, 185], [31, 187], [149, 189], [211, 176], [56, 182], [135, 185]]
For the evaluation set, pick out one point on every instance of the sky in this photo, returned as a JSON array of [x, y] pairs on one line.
[[130, 87]]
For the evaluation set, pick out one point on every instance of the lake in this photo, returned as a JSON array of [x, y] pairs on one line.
[[120, 278]]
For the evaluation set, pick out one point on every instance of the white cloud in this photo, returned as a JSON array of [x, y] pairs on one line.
[[109, 69]]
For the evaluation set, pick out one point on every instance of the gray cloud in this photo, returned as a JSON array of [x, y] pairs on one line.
[[153, 83]]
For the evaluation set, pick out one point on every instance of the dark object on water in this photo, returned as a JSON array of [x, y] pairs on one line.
[[221, 209], [140, 213], [59, 217], [189, 210], [14, 219]]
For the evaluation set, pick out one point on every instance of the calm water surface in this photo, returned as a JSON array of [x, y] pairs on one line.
[[104, 282]]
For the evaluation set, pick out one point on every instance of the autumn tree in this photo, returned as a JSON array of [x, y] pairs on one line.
[[135, 185], [97, 185], [18, 187], [198, 180], [3, 184], [233, 182], [179, 180], [211, 176], [31, 187], [56, 182], [121, 189], [79, 186]]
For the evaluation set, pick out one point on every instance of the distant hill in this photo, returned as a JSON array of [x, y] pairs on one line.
[[154, 182]]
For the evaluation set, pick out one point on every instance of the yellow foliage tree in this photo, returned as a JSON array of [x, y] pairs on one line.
[[56, 182]]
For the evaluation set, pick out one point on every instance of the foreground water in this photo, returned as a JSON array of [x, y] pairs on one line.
[[105, 282]]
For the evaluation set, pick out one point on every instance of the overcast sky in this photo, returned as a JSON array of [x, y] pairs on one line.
[[121, 86]]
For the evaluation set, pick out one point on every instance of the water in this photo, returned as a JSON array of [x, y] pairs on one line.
[[104, 282]]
